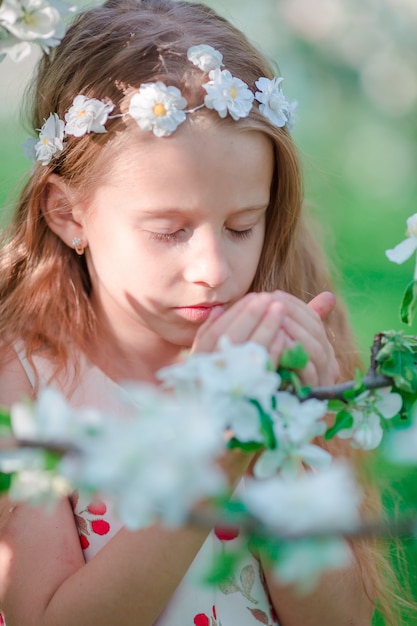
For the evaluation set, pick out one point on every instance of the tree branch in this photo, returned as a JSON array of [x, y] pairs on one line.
[[333, 392]]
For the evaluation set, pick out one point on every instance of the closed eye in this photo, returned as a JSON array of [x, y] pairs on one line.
[[169, 237], [240, 234]]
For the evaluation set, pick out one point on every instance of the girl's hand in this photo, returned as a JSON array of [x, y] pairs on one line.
[[304, 323], [256, 317], [276, 320]]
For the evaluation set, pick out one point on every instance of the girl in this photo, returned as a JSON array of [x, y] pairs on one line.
[[164, 210]]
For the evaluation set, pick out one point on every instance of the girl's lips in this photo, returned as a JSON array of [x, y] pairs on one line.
[[198, 313]]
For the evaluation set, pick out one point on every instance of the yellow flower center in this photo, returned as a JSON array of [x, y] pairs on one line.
[[81, 113], [159, 110], [45, 141], [233, 92], [29, 19]]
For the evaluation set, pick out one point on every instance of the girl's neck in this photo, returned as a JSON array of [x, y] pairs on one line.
[[122, 360], [126, 350]]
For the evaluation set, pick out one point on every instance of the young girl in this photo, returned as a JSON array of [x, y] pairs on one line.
[[163, 211]]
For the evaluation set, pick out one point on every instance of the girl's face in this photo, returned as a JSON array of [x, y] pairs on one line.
[[177, 228]]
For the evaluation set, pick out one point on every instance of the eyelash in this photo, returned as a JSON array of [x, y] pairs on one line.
[[174, 237], [170, 237], [241, 234]]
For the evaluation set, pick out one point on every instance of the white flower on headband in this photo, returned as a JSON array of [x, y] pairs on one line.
[[87, 115], [158, 108], [50, 140], [273, 103], [228, 94], [205, 57], [154, 106]]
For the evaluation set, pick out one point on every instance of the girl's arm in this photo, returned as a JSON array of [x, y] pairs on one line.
[[44, 580]]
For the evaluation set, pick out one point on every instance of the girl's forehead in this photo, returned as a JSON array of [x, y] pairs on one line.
[[197, 145], [208, 165]]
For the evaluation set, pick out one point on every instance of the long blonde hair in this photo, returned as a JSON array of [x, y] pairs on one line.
[[44, 286]]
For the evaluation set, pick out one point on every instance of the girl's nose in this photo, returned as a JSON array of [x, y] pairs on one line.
[[207, 261]]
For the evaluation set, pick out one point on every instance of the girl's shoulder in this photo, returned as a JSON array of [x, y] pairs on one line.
[[14, 381]]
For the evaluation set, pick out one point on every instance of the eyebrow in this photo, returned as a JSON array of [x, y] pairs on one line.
[[167, 212]]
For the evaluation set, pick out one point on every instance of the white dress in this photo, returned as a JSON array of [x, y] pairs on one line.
[[239, 601]]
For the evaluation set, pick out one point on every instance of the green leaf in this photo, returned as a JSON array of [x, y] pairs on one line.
[[267, 426], [334, 405], [295, 358], [401, 367], [409, 303], [245, 446], [223, 569], [51, 460], [5, 482], [5, 423], [291, 382], [343, 420], [359, 385]]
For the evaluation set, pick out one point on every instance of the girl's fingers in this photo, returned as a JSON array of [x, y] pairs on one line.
[[277, 346], [309, 374], [323, 304], [269, 327], [322, 368], [304, 323], [246, 320], [209, 333], [276, 320]]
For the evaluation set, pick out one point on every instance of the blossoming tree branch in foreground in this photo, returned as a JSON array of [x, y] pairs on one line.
[[173, 437], [301, 503]]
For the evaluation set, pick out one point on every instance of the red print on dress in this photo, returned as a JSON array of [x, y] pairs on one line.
[[201, 619], [88, 521], [226, 533]]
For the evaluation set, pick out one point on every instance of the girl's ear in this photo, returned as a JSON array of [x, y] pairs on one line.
[[61, 211]]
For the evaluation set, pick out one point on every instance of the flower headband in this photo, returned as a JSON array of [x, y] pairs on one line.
[[161, 109]]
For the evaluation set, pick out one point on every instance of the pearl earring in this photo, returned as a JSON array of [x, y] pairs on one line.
[[77, 245]]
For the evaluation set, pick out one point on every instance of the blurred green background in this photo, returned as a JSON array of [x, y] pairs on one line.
[[352, 67]]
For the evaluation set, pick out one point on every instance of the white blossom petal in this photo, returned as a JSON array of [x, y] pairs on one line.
[[302, 562], [402, 251], [15, 49], [10, 12], [23, 421], [389, 404], [368, 434], [401, 445], [412, 225], [245, 423], [205, 57], [236, 371], [38, 20], [315, 457], [307, 503]]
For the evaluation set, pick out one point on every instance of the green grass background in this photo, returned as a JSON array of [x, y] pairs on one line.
[[360, 174]]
